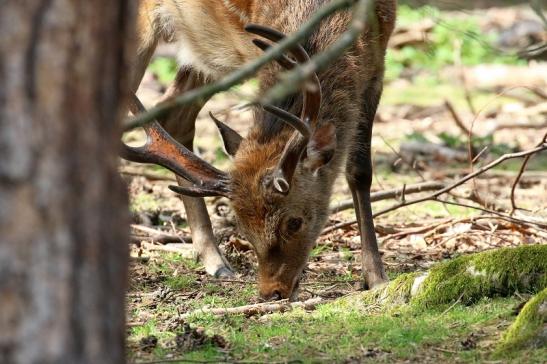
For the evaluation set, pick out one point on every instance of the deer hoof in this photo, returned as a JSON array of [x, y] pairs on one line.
[[224, 272]]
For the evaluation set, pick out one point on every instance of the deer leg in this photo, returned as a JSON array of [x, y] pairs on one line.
[[359, 176], [180, 124]]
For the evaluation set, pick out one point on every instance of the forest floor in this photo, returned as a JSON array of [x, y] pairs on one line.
[[506, 114]]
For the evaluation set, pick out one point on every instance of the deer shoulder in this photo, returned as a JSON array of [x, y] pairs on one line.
[[209, 34]]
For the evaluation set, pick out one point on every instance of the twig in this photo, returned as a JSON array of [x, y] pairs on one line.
[[451, 306], [456, 117], [434, 196], [468, 177], [393, 193], [412, 166], [419, 230], [244, 72], [292, 80], [445, 350], [519, 176], [259, 308], [184, 250], [158, 236]]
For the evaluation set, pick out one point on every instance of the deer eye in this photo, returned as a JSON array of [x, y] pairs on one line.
[[294, 224]]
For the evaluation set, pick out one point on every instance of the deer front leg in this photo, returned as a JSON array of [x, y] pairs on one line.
[[359, 176], [180, 123]]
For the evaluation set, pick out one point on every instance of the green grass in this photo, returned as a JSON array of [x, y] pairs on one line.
[[333, 333], [164, 68], [453, 39]]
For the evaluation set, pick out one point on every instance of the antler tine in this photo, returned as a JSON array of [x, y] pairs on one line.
[[312, 94], [283, 60], [310, 110], [290, 119], [160, 148]]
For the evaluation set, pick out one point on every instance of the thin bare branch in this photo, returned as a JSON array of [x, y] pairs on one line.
[[393, 193], [519, 176], [291, 81], [435, 196]]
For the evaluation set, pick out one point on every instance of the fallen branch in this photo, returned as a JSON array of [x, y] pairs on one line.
[[259, 308], [434, 196], [157, 236], [393, 193], [184, 250], [147, 175]]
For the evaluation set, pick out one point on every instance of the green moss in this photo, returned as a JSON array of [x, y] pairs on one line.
[[487, 274], [529, 327], [388, 298]]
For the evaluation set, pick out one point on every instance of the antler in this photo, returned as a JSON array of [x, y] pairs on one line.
[[307, 122], [160, 148]]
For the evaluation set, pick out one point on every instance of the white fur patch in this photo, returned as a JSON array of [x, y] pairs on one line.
[[185, 55]]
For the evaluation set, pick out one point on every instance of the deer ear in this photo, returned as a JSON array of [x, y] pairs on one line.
[[230, 137], [321, 147]]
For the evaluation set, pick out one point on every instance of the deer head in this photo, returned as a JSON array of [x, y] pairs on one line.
[[276, 187]]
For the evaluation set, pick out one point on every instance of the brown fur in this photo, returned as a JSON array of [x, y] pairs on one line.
[[211, 37]]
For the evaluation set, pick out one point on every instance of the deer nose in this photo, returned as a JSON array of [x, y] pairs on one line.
[[273, 296], [276, 296]]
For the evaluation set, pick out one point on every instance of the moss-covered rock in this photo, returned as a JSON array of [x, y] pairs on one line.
[[468, 278], [530, 327], [498, 272]]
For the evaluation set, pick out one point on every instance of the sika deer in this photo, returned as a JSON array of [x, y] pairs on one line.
[[283, 171]]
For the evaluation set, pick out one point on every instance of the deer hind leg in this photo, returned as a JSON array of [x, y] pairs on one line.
[[359, 176], [180, 124]]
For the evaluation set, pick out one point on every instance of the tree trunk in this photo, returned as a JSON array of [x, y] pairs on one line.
[[63, 214]]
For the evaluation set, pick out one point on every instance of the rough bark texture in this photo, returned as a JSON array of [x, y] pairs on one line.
[[63, 215]]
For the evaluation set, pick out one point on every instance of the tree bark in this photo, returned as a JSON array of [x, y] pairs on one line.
[[63, 215]]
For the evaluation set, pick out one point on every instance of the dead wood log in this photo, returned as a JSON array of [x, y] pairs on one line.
[[259, 308], [157, 236], [184, 250]]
